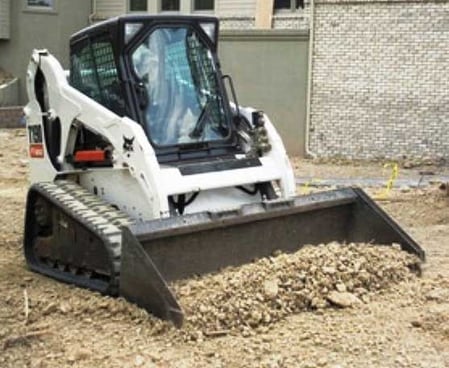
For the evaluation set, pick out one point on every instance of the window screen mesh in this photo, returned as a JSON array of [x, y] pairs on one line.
[[82, 73], [94, 73]]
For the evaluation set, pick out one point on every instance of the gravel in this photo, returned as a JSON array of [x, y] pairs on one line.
[[404, 324], [254, 296]]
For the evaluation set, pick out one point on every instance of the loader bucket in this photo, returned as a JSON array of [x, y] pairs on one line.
[[157, 252]]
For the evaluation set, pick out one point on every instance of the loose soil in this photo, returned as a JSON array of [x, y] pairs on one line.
[[397, 320]]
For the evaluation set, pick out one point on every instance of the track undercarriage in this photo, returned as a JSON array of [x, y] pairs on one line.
[[73, 236]]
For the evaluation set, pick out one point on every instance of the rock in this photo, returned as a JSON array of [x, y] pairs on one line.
[[343, 300], [271, 288], [340, 287], [365, 298], [401, 361], [266, 338], [274, 361], [307, 364], [277, 253], [37, 363], [139, 360], [322, 361], [49, 309], [82, 354], [64, 307], [255, 318], [197, 336], [396, 246], [438, 295], [329, 270]]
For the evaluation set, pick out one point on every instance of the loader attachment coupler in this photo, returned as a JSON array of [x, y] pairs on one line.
[[162, 251]]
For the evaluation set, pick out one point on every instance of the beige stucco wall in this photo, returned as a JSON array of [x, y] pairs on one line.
[[269, 69], [5, 19], [34, 29]]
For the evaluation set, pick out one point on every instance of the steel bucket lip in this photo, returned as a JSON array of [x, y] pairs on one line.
[[155, 229]]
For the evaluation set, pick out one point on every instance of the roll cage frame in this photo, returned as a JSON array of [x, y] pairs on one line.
[[113, 31]]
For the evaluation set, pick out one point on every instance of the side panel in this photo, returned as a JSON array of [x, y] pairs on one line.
[[120, 189], [72, 107]]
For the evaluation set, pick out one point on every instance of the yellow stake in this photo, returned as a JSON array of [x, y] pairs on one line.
[[394, 175], [305, 188]]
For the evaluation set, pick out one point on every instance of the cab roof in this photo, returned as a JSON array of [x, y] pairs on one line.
[[114, 26]]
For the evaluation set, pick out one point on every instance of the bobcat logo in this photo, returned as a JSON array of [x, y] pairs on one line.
[[128, 144]]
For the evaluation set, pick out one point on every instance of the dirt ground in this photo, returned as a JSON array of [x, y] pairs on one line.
[[44, 323]]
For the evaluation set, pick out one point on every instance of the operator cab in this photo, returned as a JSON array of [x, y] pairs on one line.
[[163, 72]]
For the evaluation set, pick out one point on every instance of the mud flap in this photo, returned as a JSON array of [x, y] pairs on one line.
[[161, 251]]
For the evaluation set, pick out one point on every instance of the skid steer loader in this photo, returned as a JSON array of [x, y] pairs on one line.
[[145, 169]]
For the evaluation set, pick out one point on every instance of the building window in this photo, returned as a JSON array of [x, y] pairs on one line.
[[289, 5], [40, 5], [138, 5], [203, 5], [170, 5]]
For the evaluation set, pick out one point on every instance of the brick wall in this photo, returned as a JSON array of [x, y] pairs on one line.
[[381, 79], [298, 21], [11, 117]]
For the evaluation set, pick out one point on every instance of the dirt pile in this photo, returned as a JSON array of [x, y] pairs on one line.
[[252, 297], [245, 300]]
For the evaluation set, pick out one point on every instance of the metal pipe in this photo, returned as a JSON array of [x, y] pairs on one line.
[[94, 11], [309, 153]]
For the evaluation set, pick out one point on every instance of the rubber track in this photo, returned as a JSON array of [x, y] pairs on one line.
[[96, 215]]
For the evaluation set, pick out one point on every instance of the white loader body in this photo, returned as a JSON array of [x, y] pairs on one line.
[[137, 183]]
